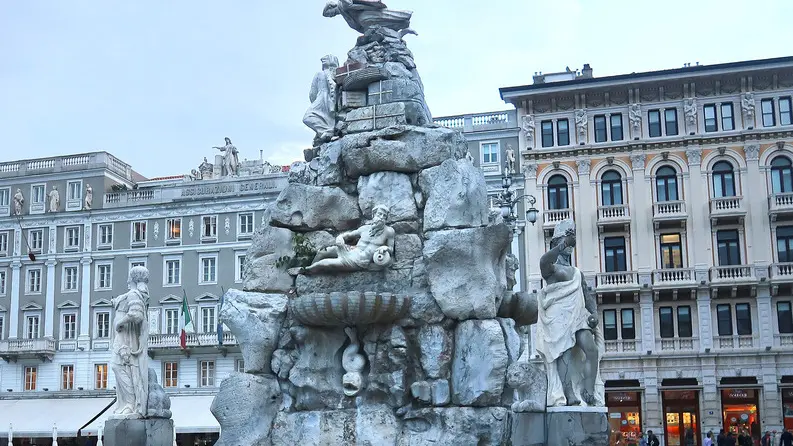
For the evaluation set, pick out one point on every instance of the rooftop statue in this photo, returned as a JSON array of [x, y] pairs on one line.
[[231, 161], [362, 14]]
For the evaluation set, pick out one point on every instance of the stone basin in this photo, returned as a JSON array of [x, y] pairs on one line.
[[349, 309]]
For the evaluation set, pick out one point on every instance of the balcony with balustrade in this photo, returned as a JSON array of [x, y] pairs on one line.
[[674, 278], [726, 209], [12, 350], [669, 212], [164, 343], [732, 275], [551, 217], [781, 272], [133, 198], [617, 281], [613, 216], [619, 347], [780, 206], [735, 342], [480, 122], [676, 345], [784, 340], [67, 163]]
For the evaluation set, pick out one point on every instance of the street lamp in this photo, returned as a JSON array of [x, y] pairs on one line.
[[507, 201]]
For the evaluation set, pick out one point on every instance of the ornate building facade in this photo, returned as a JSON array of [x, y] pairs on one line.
[[65, 255]]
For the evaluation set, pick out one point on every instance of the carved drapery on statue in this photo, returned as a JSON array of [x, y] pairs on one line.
[[321, 115]]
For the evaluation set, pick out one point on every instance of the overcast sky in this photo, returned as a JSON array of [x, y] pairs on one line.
[[158, 83]]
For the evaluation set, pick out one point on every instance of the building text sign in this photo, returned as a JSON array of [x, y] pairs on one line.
[[226, 189]]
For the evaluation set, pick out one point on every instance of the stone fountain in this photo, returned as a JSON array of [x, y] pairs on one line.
[[377, 306]]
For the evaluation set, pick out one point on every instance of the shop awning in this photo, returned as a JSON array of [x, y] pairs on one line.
[[35, 417]]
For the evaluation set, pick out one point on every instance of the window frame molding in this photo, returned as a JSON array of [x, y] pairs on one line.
[[201, 258], [97, 275], [64, 267], [99, 243], [34, 207], [138, 244], [165, 260], [77, 203], [27, 289], [482, 145], [66, 246]]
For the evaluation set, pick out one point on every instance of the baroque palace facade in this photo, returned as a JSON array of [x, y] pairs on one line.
[[64, 255], [681, 185]]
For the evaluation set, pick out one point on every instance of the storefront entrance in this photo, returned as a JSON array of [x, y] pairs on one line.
[[624, 416], [681, 415], [787, 407], [739, 409]]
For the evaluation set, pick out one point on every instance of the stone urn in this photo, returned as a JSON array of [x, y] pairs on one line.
[[349, 309]]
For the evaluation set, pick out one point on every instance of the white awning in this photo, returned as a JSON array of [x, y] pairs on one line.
[[35, 417]]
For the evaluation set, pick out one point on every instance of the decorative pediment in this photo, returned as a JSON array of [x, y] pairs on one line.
[[32, 307], [68, 305], [102, 303], [207, 297], [171, 299]]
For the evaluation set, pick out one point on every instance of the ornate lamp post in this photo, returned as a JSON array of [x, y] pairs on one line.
[[507, 202]]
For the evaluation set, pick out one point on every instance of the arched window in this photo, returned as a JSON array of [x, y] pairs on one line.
[[611, 188], [666, 184], [557, 193], [723, 180], [781, 175]]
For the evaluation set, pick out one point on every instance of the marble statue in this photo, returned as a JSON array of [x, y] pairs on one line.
[[129, 346], [19, 201], [581, 125], [374, 249], [205, 170], [231, 161], [747, 106], [510, 163], [690, 110], [55, 199], [353, 363], [322, 114], [635, 116], [527, 125], [363, 14], [469, 157], [88, 201], [567, 334]]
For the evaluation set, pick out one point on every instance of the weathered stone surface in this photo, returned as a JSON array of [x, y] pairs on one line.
[[375, 426], [159, 403], [421, 391], [390, 189], [245, 407], [308, 208], [465, 270], [317, 373], [407, 248], [149, 432], [320, 428], [436, 345], [423, 310], [366, 119], [400, 149], [577, 426], [528, 429], [390, 366], [528, 383], [329, 167], [268, 245], [480, 363], [455, 194], [441, 392], [456, 426], [300, 172], [520, 306], [389, 281], [256, 320], [512, 338]]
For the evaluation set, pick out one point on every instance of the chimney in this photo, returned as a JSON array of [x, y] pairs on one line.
[[586, 72]]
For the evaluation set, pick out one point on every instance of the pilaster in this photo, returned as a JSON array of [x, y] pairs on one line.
[[652, 399], [643, 259], [13, 311], [704, 317], [648, 320], [586, 224], [770, 400], [534, 238], [711, 402], [765, 316], [757, 242], [49, 303], [84, 338], [697, 204]]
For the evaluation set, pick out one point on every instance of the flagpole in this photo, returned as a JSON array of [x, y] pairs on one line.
[[219, 327], [186, 310]]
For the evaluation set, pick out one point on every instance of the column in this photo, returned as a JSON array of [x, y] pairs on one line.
[[648, 320], [651, 417], [704, 317], [770, 400], [49, 303], [586, 226], [758, 245], [515, 250], [84, 338], [13, 312], [698, 207], [711, 401], [642, 221], [765, 316]]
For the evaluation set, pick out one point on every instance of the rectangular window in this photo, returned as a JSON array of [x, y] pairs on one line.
[[32, 326], [74, 195], [727, 120], [784, 244], [106, 235], [3, 282], [784, 317], [490, 153], [3, 244], [628, 329], [609, 325], [547, 133], [36, 240], [210, 226], [38, 194], [173, 229], [209, 269], [670, 120], [2, 326], [170, 374], [240, 267], [72, 240], [601, 134], [654, 123], [785, 112], [562, 132], [139, 232], [5, 199], [614, 250], [31, 373], [684, 329], [207, 373], [666, 322], [103, 325], [173, 272], [671, 251], [743, 319], [69, 328], [100, 376], [70, 278], [171, 321], [728, 248], [104, 276], [34, 280], [767, 108], [711, 123], [208, 323], [724, 319], [135, 263], [246, 224], [616, 127], [67, 377], [239, 366]]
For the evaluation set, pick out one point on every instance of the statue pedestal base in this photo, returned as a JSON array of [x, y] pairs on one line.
[[579, 426], [139, 432]]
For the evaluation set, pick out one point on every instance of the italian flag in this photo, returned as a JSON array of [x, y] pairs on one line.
[[185, 324]]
